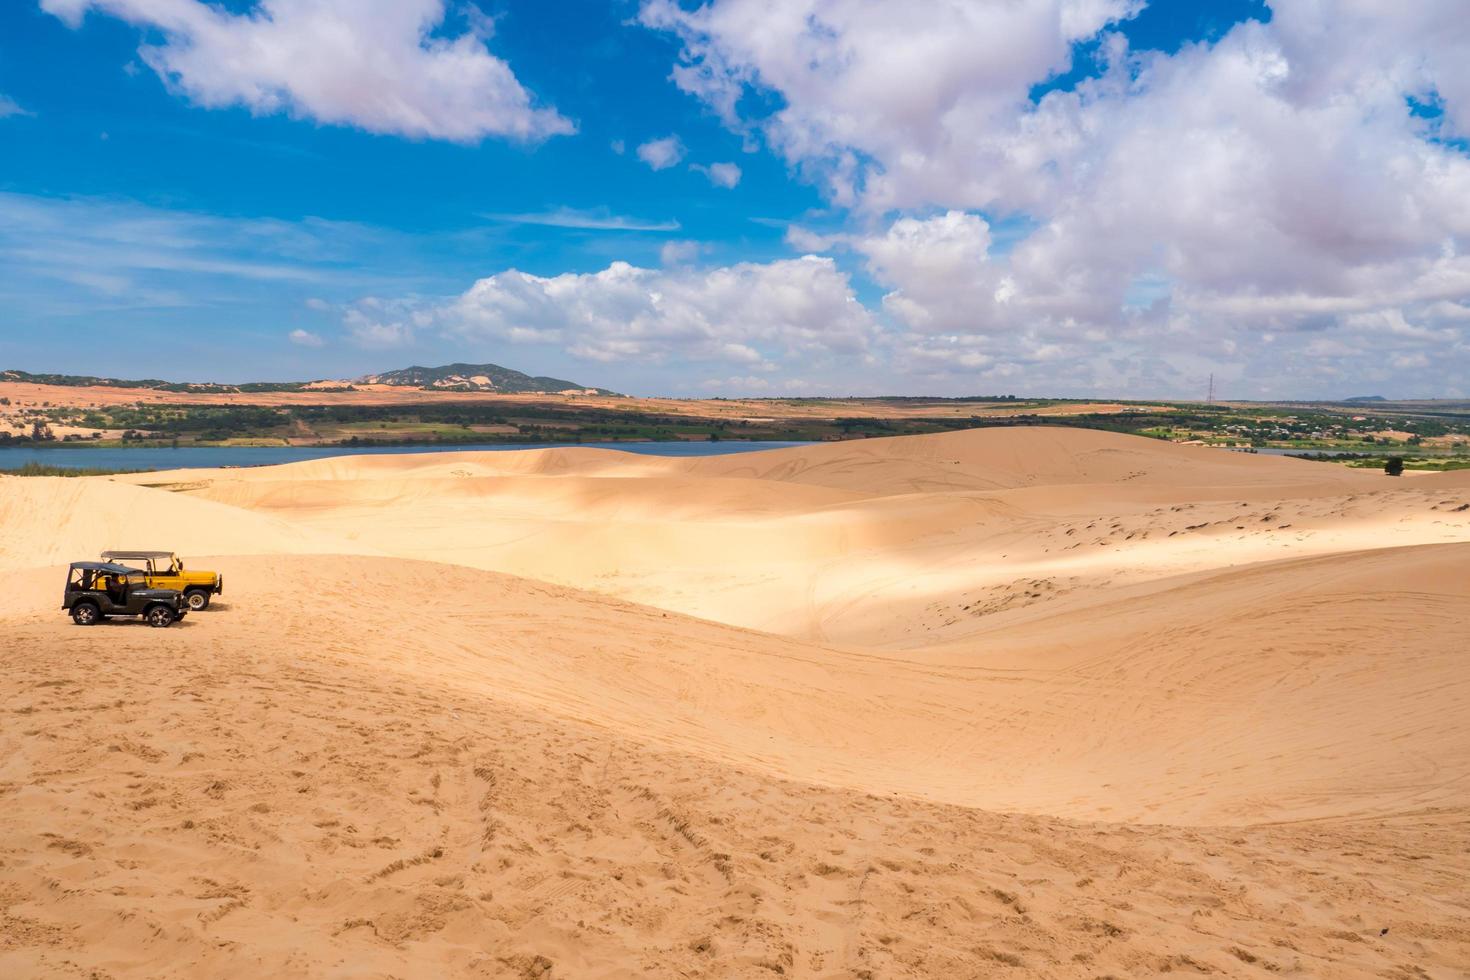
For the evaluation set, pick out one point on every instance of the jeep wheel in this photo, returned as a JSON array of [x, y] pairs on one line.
[[197, 599], [159, 616], [86, 614]]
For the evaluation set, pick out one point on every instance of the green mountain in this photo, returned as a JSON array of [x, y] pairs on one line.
[[473, 377]]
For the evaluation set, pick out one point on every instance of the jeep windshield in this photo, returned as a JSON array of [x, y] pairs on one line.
[[143, 565]]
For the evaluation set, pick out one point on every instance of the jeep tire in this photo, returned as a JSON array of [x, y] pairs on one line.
[[86, 614], [159, 616], [198, 600]]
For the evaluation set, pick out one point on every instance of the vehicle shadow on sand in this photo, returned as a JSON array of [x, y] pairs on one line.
[[187, 622]]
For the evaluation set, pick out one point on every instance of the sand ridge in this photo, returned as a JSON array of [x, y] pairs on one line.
[[1050, 702]]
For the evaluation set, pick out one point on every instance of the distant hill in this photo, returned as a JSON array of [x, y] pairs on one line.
[[474, 377], [1366, 398], [450, 377], [88, 381]]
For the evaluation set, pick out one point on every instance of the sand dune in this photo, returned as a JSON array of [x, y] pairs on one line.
[[50, 520], [1046, 702], [881, 543], [988, 459], [989, 723]]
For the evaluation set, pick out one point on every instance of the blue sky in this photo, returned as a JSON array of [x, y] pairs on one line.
[[230, 219], [394, 215]]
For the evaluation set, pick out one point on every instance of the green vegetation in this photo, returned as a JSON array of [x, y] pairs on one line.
[[42, 469], [144, 424], [1365, 461], [1433, 464], [1427, 435]]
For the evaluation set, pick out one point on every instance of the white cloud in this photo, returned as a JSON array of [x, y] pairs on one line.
[[660, 154], [941, 270], [805, 240], [1359, 46], [720, 174], [1210, 172], [910, 89], [749, 314], [378, 65], [678, 252], [305, 338], [1236, 204], [383, 324], [9, 107], [375, 334], [738, 383], [601, 220], [121, 253]]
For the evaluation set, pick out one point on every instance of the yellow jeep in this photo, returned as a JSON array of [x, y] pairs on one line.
[[166, 571]]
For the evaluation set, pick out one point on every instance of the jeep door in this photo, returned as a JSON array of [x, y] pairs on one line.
[[145, 566], [137, 581], [112, 593], [165, 577]]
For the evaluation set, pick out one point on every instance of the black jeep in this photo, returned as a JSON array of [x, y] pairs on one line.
[[96, 590]]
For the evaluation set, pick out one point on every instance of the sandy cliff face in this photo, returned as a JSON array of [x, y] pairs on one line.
[[1050, 702]]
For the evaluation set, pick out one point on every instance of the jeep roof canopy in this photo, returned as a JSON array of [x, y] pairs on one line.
[[138, 554], [102, 566]]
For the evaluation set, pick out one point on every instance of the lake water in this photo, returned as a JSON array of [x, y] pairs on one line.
[[210, 456]]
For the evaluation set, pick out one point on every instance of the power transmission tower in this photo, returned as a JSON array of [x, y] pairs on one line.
[[1210, 398]]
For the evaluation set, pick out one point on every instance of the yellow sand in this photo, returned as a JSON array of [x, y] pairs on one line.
[[1040, 701]]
